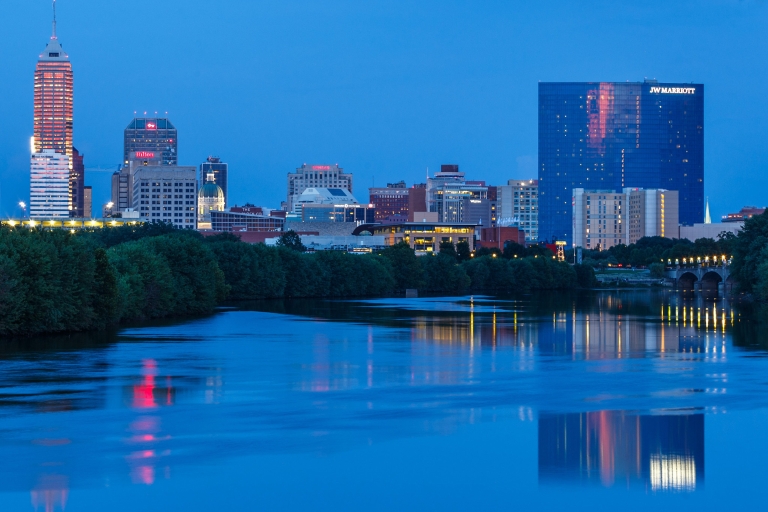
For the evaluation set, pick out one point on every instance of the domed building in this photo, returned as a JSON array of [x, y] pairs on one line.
[[209, 198]]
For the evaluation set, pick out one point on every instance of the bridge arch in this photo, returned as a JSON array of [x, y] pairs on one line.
[[687, 281], [710, 281]]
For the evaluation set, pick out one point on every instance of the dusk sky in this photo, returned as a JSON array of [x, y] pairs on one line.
[[386, 89]]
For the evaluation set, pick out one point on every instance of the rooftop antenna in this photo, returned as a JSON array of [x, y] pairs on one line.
[[54, 20]]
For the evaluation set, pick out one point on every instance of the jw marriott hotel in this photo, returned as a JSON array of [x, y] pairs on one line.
[[617, 135]]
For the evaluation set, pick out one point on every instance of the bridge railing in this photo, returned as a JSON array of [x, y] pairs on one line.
[[697, 262]]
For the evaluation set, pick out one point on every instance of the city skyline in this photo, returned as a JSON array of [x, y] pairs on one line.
[[470, 119]]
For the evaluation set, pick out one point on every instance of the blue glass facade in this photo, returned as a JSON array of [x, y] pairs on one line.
[[611, 135]]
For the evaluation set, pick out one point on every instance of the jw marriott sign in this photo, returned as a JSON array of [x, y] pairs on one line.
[[673, 90]]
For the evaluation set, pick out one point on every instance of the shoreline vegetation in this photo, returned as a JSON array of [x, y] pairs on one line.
[[55, 281]]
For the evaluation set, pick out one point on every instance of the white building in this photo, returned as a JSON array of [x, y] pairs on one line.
[[518, 205], [316, 176], [712, 231], [49, 185], [321, 196], [166, 194], [604, 218]]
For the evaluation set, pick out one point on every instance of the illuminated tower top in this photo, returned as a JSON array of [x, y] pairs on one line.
[[53, 97]]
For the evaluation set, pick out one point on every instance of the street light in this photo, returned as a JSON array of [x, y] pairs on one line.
[[23, 207]]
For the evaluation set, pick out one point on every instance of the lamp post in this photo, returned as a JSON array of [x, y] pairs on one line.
[[108, 208], [23, 207]]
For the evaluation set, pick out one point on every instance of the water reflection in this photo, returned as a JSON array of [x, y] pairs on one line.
[[660, 453], [322, 377]]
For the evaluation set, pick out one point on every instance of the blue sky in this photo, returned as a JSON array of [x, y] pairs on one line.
[[386, 89]]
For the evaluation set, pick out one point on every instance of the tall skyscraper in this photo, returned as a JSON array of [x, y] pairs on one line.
[[611, 136], [151, 138], [213, 165], [54, 112]]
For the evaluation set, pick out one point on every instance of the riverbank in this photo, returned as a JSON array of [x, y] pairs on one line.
[[55, 281]]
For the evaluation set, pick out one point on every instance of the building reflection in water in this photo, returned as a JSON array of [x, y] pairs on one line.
[[51, 493], [146, 430], [611, 328], [615, 448]]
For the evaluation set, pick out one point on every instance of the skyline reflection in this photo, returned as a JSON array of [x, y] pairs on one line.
[[618, 448]]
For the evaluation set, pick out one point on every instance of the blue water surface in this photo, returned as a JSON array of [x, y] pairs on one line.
[[623, 399]]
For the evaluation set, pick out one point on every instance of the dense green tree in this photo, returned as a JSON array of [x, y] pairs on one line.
[[514, 250], [479, 272], [749, 253], [449, 249], [291, 240], [462, 251], [106, 291], [585, 276], [405, 266], [443, 274], [657, 270]]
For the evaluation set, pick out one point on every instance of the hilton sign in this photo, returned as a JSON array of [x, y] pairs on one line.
[[673, 90]]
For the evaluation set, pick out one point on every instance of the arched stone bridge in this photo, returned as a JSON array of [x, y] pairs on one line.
[[701, 278]]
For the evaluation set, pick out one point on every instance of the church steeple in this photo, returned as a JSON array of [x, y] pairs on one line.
[[707, 217]]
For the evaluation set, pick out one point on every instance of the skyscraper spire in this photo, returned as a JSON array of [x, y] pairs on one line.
[[54, 20], [707, 217]]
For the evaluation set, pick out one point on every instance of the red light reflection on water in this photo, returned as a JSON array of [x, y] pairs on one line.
[[144, 393], [51, 493]]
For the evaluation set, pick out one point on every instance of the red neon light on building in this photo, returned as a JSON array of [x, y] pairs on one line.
[[151, 125], [321, 167], [145, 154]]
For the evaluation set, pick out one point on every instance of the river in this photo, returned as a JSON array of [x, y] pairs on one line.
[[626, 399]]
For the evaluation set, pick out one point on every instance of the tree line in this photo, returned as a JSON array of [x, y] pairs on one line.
[[57, 281], [655, 249]]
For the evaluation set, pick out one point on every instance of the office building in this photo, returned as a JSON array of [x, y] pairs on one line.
[[599, 219], [611, 136], [744, 214], [357, 213], [49, 185], [316, 176], [88, 202], [417, 203], [54, 116], [77, 185], [423, 238], [712, 231], [651, 213], [165, 193], [220, 171], [518, 205], [499, 237], [122, 180], [391, 202], [457, 200], [604, 218], [315, 196], [154, 138], [242, 220]]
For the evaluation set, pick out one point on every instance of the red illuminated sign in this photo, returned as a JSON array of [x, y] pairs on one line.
[[321, 167], [145, 154], [151, 125]]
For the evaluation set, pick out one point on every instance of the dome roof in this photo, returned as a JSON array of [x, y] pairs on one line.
[[211, 191]]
